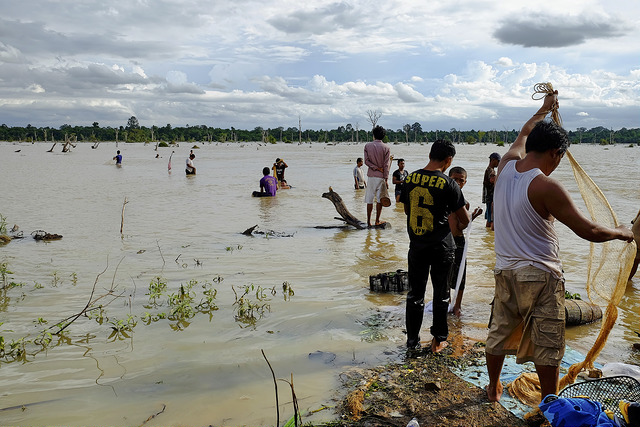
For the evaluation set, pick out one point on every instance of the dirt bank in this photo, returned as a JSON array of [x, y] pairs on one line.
[[422, 386]]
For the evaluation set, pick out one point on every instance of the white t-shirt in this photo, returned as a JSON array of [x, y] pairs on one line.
[[359, 175], [189, 164]]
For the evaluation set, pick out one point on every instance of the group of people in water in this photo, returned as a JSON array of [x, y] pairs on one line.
[[521, 203], [190, 168], [269, 184]]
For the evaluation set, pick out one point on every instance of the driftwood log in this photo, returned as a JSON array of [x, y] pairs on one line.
[[342, 210]]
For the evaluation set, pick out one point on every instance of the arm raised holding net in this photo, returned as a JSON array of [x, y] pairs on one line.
[[528, 309]]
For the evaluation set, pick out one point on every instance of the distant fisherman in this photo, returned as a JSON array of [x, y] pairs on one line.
[[118, 159], [191, 169]]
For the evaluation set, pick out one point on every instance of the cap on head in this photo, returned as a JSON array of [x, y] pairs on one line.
[[496, 156]]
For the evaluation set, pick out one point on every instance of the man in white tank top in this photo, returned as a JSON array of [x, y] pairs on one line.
[[527, 316]]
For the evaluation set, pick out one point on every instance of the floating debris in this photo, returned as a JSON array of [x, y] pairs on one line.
[[43, 235], [251, 231]]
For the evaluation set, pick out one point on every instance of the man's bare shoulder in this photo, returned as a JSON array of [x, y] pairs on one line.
[[548, 192]]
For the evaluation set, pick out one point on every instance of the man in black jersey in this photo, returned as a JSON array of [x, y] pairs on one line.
[[429, 196]]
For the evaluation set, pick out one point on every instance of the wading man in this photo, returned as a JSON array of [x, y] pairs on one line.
[[377, 157]]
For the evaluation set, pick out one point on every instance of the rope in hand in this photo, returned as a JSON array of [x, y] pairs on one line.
[[545, 89]]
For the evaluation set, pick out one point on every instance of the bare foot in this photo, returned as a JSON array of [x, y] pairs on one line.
[[380, 223], [437, 347], [456, 311], [494, 393]]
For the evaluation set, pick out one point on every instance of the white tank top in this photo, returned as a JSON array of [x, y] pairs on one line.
[[522, 236]]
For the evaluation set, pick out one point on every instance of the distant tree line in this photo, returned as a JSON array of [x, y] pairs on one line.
[[134, 132]]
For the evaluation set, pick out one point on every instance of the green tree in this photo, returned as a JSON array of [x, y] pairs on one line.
[[133, 123]]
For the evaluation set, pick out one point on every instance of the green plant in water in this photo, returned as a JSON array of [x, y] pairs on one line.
[[74, 279], [207, 303], [287, 291], [56, 280], [157, 287], [180, 302], [44, 339], [96, 314], [3, 224], [248, 312], [4, 273], [122, 327], [40, 321]]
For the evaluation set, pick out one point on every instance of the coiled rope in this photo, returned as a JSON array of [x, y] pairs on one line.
[[540, 90]]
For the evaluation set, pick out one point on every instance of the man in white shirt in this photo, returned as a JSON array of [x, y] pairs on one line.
[[527, 316]]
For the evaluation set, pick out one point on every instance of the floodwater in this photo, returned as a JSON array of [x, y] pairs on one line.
[[211, 371]]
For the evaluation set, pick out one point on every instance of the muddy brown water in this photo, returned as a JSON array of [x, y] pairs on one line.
[[189, 228]]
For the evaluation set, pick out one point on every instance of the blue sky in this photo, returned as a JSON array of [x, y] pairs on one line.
[[446, 64]]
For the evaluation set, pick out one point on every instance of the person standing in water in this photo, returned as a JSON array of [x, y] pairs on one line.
[[358, 175], [377, 157], [278, 171], [190, 169], [398, 178], [118, 159], [459, 175], [488, 187]]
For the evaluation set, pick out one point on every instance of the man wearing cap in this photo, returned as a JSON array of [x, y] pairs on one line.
[[487, 187]]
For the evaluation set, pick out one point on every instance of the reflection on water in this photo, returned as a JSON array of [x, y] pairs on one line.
[[186, 229]]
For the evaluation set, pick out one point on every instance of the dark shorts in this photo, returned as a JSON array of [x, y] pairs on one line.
[[488, 213], [261, 194]]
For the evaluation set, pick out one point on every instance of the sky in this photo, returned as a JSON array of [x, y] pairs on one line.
[[446, 64]]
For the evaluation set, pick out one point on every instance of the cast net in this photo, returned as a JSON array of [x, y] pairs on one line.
[[608, 270]]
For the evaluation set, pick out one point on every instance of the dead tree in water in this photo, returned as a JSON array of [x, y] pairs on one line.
[[67, 143], [52, 147], [342, 210]]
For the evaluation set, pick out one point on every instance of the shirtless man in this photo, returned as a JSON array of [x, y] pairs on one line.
[[528, 309]]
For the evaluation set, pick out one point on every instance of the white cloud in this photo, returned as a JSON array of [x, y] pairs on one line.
[[36, 88], [177, 77], [504, 62]]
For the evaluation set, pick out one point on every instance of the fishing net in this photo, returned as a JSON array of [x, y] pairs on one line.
[[608, 270]]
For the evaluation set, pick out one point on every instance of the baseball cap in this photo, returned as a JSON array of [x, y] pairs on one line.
[[495, 156]]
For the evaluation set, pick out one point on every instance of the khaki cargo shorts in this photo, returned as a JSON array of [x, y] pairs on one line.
[[527, 316]]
